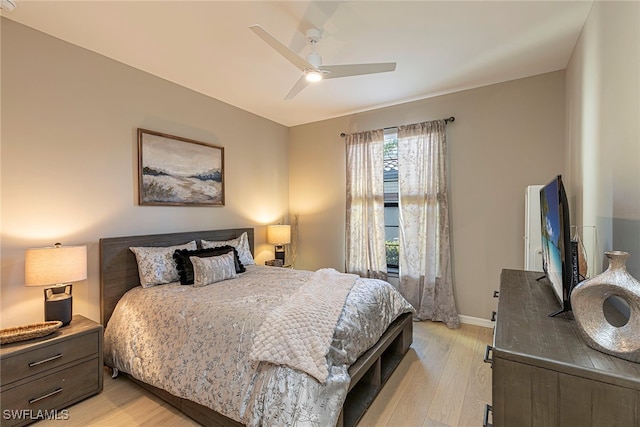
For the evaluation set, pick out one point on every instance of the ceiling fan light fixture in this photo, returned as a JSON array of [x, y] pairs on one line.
[[313, 75]]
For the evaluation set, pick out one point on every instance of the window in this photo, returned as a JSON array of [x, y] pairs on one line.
[[391, 212]]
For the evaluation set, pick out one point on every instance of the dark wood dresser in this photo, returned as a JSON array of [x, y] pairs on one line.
[[544, 374], [40, 377]]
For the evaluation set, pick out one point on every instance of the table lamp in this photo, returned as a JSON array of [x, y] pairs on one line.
[[57, 265], [279, 235]]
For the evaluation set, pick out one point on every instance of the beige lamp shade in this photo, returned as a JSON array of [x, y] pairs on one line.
[[55, 265], [279, 234]]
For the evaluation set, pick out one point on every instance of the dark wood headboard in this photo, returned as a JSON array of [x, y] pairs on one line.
[[118, 267]]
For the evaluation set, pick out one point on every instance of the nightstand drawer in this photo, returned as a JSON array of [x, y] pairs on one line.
[[54, 391], [41, 359]]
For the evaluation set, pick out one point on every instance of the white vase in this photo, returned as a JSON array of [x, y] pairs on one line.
[[589, 299]]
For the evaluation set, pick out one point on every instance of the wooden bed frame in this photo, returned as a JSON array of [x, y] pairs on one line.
[[119, 273]]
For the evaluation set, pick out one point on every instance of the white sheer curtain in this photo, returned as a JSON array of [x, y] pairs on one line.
[[425, 256], [365, 241]]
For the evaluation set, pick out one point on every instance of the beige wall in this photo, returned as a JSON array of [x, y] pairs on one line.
[[69, 160], [505, 137], [603, 128]]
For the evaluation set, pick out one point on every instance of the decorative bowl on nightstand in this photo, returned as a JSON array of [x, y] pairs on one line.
[[27, 332]]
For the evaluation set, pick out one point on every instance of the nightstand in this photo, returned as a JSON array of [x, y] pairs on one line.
[[40, 377], [277, 263]]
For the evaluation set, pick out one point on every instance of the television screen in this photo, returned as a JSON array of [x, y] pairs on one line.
[[556, 240]]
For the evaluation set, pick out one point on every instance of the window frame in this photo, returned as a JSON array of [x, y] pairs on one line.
[[391, 134]]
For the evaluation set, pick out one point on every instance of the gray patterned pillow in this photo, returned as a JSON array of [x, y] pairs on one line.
[[156, 265], [240, 243], [213, 269]]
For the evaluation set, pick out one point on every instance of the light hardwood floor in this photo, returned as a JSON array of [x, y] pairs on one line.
[[442, 381]]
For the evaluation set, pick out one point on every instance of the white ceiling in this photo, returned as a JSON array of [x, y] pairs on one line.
[[439, 46]]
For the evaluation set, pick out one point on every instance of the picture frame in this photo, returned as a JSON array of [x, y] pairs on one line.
[[176, 171]]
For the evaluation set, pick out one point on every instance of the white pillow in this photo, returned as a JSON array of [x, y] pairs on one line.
[[156, 265], [240, 243], [213, 269]]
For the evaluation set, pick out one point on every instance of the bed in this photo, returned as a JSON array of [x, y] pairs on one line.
[[366, 375]]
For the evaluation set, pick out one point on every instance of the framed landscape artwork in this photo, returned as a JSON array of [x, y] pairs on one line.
[[175, 171]]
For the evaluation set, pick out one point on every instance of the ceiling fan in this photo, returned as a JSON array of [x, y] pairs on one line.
[[312, 67]]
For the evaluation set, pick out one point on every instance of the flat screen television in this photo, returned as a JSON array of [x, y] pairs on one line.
[[557, 257]]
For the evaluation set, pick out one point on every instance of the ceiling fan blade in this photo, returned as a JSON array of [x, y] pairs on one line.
[[300, 84], [336, 71], [283, 50]]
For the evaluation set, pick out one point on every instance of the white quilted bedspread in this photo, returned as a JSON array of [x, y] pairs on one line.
[[298, 334]]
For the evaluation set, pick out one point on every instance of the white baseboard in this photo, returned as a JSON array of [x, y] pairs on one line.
[[476, 321]]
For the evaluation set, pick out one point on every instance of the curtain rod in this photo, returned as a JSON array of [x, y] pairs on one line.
[[446, 121]]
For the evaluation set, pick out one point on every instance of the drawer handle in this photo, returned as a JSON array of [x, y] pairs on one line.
[[485, 421], [496, 294], [488, 359], [57, 356], [56, 391], [493, 316]]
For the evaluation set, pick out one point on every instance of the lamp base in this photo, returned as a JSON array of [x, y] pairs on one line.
[[58, 304], [279, 252]]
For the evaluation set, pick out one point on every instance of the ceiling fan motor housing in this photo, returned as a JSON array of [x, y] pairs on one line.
[[313, 35], [314, 59]]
